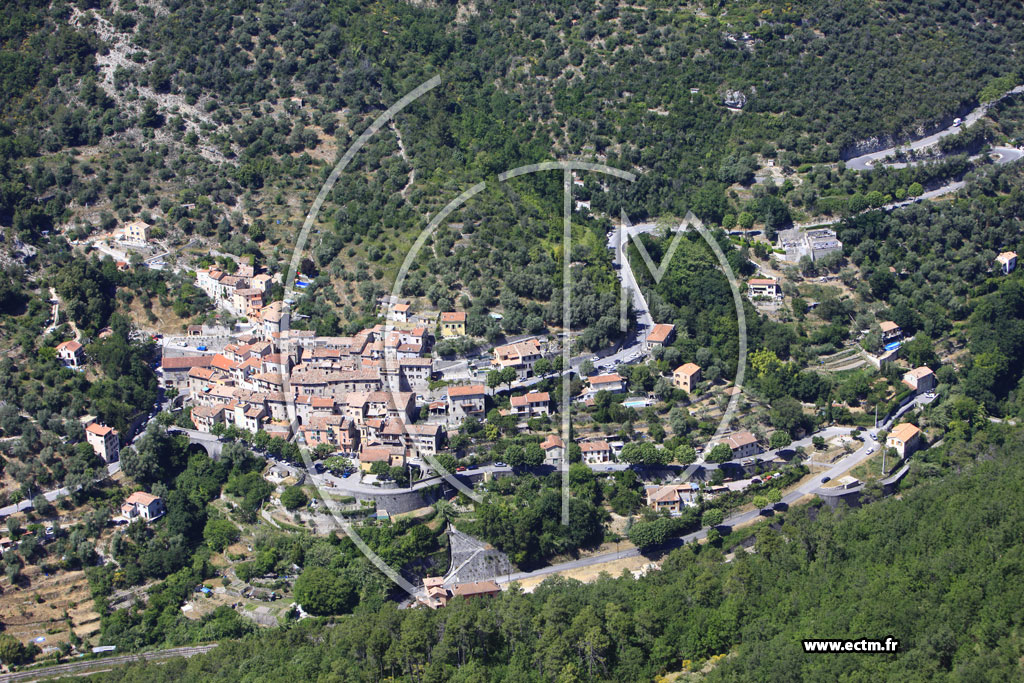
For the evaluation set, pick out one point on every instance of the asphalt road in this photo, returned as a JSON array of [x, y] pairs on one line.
[[808, 488], [867, 161]]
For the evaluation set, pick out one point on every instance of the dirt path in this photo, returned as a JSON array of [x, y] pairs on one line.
[[401, 150]]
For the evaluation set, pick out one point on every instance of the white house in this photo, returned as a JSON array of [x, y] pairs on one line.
[[1007, 262], [144, 505]]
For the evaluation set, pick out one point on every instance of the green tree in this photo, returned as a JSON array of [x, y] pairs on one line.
[[780, 438], [293, 498], [219, 534], [712, 517], [720, 453], [323, 592]]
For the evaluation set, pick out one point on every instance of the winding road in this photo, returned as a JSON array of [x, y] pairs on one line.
[[866, 162], [810, 487]]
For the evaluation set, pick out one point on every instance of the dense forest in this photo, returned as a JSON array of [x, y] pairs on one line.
[[936, 569]]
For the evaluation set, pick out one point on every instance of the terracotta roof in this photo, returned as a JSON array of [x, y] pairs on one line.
[[100, 430], [476, 588], [1006, 256], [201, 373], [453, 317], [660, 333], [739, 440], [605, 379], [763, 281], [223, 362], [142, 498], [552, 441], [401, 308], [888, 326], [185, 362], [920, 372], [208, 411], [594, 446], [70, 345], [424, 429], [904, 432], [378, 453], [532, 397], [466, 391], [688, 369]]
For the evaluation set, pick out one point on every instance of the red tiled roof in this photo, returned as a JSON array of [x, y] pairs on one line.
[[660, 333], [453, 317], [466, 391], [100, 430], [186, 362]]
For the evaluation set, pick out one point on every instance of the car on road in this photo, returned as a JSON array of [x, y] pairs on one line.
[[826, 479], [871, 450], [594, 359], [460, 468], [500, 464], [201, 348], [471, 467], [346, 475]]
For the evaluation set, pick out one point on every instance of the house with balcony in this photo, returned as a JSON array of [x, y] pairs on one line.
[[206, 417], [521, 355], [891, 332], [596, 452], [465, 401], [142, 505], [531, 404], [613, 383], [764, 288]]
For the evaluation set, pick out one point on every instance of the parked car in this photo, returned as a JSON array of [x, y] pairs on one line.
[[500, 464], [826, 479], [201, 348], [460, 468]]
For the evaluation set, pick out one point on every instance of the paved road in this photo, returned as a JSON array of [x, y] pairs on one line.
[[51, 496], [808, 488], [868, 161], [104, 663]]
